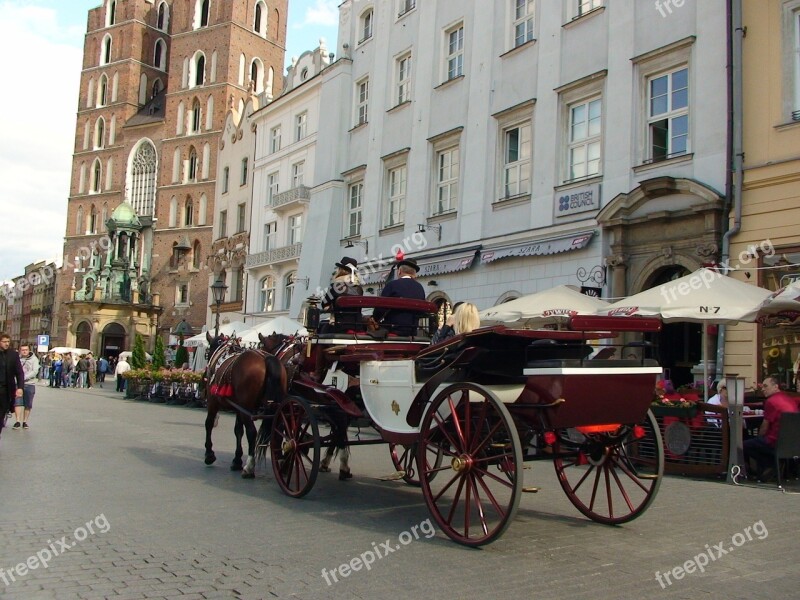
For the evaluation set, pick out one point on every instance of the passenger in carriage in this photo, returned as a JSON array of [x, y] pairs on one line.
[[406, 285], [463, 320], [345, 283]]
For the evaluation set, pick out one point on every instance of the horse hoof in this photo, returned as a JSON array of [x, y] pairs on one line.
[[248, 475], [236, 467], [210, 458], [345, 475]]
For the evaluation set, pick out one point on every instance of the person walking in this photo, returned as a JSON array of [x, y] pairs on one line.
[[82, 369], [102, 369], [30, 370], [12, 378], [91, 370], [56, 371], [122, 367]]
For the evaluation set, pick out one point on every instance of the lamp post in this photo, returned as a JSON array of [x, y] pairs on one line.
[[218, 289]]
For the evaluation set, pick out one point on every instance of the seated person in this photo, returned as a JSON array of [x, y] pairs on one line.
[[464, 319], [344, 283], [404, 286], [719, 399], [762, 448]]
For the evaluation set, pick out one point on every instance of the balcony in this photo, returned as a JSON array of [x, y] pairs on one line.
[[290, 199], [274, 257]]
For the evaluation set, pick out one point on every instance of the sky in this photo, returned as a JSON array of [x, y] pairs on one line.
[[41, 42]]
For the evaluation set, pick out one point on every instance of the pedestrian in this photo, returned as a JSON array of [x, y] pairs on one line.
[[122, 367], [66, 370], [30, 370], [102, 369], [82, 369], [56, 371], [12, 378], [91, 371]]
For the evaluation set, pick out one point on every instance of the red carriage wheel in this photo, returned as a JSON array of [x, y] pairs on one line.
[[294, 446], [474, 494], [611, 477]]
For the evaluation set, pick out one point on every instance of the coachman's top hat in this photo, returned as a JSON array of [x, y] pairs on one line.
[[408, 262], [347, 263]]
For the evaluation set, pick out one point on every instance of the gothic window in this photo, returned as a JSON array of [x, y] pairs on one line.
[[143, 179]]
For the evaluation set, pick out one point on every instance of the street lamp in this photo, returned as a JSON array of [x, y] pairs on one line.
[[218, 290]]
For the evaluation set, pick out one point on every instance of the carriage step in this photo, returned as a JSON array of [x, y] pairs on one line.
[[530, 490], [647, 476]]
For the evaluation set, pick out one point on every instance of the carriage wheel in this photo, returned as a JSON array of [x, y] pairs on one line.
[[474, 495], [294, 446], [611, 477], [404, 459]]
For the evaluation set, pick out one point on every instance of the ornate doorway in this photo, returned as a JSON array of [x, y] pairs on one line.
[[113, 340]]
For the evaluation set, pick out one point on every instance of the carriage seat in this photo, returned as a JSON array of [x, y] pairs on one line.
[[422, 309]]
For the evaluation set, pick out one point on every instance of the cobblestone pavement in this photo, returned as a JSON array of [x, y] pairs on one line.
[[123, 485]]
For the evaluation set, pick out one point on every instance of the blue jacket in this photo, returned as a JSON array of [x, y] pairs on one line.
[[399, 321]]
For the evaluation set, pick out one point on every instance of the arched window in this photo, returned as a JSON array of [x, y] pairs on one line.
[[267, 294], [97, 176], [111, 13], [82, 179], [210, 113], [90, 93], [201, 212], [176, 165], [197, 255], [196, 116], [212, 72], [91, 225], [104, 216], [99, 133], [102, 91], [143, 87], [157, 87], [180, 119], [173, 212], [87, 135], [288, 290], [192, 174], [105, 52], [200, 74], [114, 87], [257, 75], [201, 12], [260, 20], [206, 163], [188, 214], [241, 72], [112, 130], [79, 221], [173, 258], [109, 173], [83, 335], [143, 178], [160, 55], [163, 16], [270, 77]]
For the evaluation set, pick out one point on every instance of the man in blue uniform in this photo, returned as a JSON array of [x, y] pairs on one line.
[[404, 286]]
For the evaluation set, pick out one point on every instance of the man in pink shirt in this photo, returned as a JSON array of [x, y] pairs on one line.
[[762, 448]]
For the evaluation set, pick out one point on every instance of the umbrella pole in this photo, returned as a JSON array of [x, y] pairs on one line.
[[705, 361]]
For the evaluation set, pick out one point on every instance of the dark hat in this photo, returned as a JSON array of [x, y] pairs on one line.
[[347, 263], [408, 262]]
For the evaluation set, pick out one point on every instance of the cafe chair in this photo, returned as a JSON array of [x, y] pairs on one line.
[[788, 445]]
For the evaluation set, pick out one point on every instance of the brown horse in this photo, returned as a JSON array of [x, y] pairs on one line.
[[243, 382]]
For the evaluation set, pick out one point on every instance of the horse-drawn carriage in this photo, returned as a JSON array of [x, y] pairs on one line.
[[463, 416]]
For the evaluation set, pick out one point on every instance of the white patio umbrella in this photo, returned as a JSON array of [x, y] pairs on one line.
[[227, 329], [785, 300], [127, 354], [705, 297], [69, 350], [546, 307], [280, 324]]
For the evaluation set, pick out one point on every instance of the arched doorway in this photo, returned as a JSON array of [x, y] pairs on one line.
[[680, 345], [113, 340], [83, 335], [444, 308]]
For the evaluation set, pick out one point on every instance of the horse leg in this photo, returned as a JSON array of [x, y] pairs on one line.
[[238, 429], [325, 463], [210, 419], [249, 471], [340, 440]]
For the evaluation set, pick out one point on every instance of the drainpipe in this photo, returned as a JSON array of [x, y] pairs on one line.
[[735, 146]]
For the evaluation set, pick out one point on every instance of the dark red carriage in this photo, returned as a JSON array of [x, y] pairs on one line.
[[463, 416]]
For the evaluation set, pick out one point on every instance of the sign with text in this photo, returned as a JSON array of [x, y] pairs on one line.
[[42, 343], [577, 200]]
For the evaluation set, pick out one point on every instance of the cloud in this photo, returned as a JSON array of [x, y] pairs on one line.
[[37, 117], [322, 12]]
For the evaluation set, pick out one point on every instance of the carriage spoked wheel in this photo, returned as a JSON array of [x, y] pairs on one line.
[[404, 459], [611, 476], [474, 493], [294, 446]]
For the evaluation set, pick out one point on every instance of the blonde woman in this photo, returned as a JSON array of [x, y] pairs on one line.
[[466, 318]]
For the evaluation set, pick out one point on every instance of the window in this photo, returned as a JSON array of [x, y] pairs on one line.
[[196, 116], [300, 124], [238, 285], [295, 229], [240, 218], [366, 26], [405, 6], [102, 91], [584, 6], [275, 139], [111, 13], [396, 196], [516, 160], [297, 173], [105, 54], [523, 21], [455, 52], [362, 108], [192, 174], [260, 19], [585, 131], [201, 10], [200, 74], [79, 221], [99, 133], [159, 57], [272, 187], [355, 194], [267, 289], [189, 213], [143, 179], [223, 223], [97, 177], [197, 255], [288, 290], [447, 171], [270, 236], [668, 114], [226, 177], [182, 296], [92, 228], [404, 79], [163, 16], [243, 178]]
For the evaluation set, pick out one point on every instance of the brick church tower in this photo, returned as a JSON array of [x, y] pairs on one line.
[[158, 78]]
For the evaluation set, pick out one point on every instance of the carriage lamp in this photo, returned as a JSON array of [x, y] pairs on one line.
[[218, 289], [312, 315]]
